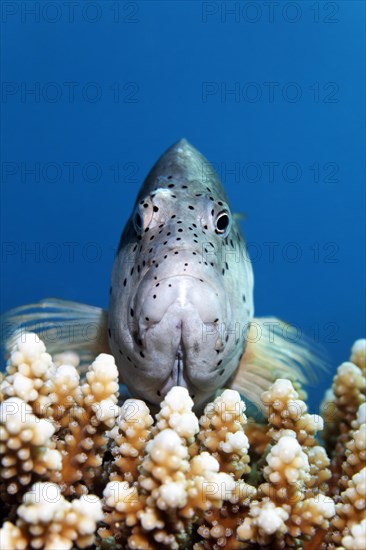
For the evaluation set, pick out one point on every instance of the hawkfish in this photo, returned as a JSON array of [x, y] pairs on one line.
[[181, 308]]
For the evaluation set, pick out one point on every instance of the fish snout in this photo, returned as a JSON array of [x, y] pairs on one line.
[[179, 294]]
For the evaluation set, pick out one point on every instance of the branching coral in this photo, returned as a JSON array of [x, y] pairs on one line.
[[287, 503], [54, 425], [124, 480], [346, 439], [130, 435], [283, 515], [26, 447], [172, 488], [340, 408], [93, 413], [46, 519], [222, 433], [28, 369]]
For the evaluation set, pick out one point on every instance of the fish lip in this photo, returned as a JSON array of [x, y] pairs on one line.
[[178, 375], [180, 364]]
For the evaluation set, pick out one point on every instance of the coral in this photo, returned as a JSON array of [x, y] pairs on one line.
[[26, 447], [283, 513], [78, 470], [28, 368], [172, 487], [54, 424], [45, 519], [130, 435], [342, 406], [222, 433], [91, 414], [176, 413], [350, 513]]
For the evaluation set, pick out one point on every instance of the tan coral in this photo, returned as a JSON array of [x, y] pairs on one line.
[[79, 412], [356, 539], [287, 470], [26, 448], [47, 520], [177, 489], [288, 414], [28, 368], [264, 521], [286, 411], [349, 388], [179, 482], [358, 354], [176, 413], [343, 403], [172, 488], [85, 436], [355, 454], [130, 435], [348, 392], [351, 510], [258, 436], [62, 395], [222, 433], [284, 513], [290, 503], [219, 525]]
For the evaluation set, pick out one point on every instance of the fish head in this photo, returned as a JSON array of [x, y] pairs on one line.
[[182, 283]]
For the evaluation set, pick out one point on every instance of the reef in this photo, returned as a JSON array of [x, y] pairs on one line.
[[80, 471]]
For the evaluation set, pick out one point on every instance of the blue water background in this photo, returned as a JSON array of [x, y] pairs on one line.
[[271, 93]]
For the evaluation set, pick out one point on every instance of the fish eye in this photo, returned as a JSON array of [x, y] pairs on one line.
[[137, 221], [222, 222]]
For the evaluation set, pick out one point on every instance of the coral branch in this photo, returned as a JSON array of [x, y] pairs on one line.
[[77, 470]]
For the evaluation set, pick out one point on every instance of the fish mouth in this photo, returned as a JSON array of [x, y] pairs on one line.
[[177, 374], [177, 319]]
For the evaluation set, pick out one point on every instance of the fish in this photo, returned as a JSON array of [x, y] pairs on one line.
[[181, 306]]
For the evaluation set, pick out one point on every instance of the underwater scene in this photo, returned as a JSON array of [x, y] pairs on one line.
[[183, 360]]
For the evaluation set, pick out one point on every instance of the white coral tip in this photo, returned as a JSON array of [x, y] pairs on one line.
[[14, 409], [68, 372], [173, 495], [357, 539], [43, 432], [105, 410], [325, 505], [235, 442], [270, 520], [89, 506], [204, 462], [178, 399], [186, 424], [287, 448], [232, 397], [23, 387], [105, 367], [361, 414], [30, 345]]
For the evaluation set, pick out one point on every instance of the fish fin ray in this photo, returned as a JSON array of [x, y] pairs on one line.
[[61, 324], [273, 355]]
